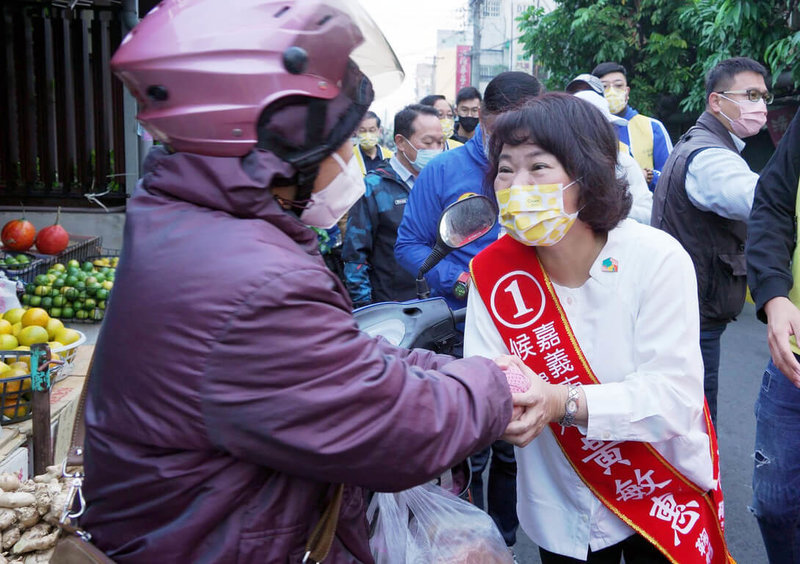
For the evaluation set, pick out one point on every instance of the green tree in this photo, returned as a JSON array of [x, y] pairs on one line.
[[666, 45]]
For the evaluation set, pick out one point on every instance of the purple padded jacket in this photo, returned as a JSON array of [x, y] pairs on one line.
[[231, 387]]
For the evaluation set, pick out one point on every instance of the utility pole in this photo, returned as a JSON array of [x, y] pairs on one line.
[[476, 43]]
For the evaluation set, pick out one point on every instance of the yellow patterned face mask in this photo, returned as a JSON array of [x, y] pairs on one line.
[[368, 140], [617, 99], [448, 125], [534, 214]]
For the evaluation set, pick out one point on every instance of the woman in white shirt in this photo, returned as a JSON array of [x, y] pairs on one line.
[[628, 294]]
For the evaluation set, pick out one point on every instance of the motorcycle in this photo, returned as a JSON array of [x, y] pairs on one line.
[[426, 322], [429, 323]]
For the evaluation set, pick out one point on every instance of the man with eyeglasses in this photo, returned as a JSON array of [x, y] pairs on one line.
[[468, 109], [704, 196], [649, 142]]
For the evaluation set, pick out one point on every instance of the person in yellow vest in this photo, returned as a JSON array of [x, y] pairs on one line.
[[773, 273], [615, 450], [368, 151], [647, 137], [446, 118]]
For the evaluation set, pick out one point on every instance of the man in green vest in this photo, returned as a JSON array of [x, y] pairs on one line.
[[647, 137], [773, 273]]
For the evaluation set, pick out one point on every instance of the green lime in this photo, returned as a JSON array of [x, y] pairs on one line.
[[55, 311], [102, 294], [67, 313], [58, 267], [101, 304], [41, 280], [30, 288], [59, 301], [71, 294], [47, 302], [87, 266], [80, 314], [36, 301], [42, 290], [60, 282], [90, 304], [73, 264], [26, 299]]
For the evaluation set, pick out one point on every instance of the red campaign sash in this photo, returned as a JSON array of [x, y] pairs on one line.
[[630, 478]]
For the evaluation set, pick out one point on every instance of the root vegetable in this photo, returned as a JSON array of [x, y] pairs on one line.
[[7, 518], [37, 537], [44, 495], [46, 478], [38, 557], [28, 516], [28, 486], [16, 499], [9, 482], [10, 537]]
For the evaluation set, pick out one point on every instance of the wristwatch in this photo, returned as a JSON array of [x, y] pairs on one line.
[[570, 407], [461, 287]]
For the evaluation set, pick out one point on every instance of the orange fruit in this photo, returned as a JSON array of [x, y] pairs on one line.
[[33, 334], [14, 315], [8, 342], [35, 316], [53, 325]]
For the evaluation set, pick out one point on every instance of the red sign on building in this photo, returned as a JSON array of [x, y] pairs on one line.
[[463, 66]]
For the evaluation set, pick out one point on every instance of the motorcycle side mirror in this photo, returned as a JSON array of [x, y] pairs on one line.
[[460, 224]]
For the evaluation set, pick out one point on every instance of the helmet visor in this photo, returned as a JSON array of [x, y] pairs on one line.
[[374, 56]]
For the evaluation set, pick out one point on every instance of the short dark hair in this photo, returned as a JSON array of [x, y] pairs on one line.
[[508, 90], [468, 93], [431, 99], [604, 68], [404, 119], [372, 115], [582, 140], [721, 76]]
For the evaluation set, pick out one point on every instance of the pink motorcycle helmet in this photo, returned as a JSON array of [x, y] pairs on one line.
[[222, 78]]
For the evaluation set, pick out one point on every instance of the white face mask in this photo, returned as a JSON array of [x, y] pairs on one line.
[[328, 205]]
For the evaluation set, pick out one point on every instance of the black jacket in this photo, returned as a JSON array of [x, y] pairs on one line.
[[371, 271], [772, 229], [715, 243]]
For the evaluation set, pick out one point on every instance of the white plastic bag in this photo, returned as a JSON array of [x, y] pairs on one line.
[[427, 524], [8, 295]]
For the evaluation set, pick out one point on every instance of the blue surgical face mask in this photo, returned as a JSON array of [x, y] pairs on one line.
[[424, 156]]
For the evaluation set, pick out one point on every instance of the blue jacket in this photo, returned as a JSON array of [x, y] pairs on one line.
[[662, 144], [448, 177], [370, 270]]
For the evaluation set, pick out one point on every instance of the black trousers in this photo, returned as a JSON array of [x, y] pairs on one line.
[[635, 548]]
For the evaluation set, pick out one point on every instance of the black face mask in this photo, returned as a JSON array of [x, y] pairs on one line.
[[467, 123]]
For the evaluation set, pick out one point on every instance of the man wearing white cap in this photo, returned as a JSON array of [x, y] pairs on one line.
[[589, 88]]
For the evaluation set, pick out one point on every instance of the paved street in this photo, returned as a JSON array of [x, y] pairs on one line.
[[744, 356]]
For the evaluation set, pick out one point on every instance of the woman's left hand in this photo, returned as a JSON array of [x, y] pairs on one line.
[[536, 405]]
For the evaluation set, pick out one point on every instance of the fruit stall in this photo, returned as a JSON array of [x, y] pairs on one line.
[[60, 283]]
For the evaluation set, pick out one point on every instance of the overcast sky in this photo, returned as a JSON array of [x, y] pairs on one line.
[[410, 26]]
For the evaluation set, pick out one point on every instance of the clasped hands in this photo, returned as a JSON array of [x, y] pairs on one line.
[[539, 405]]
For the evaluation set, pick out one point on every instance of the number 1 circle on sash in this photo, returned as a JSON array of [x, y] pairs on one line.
[[507, 295]]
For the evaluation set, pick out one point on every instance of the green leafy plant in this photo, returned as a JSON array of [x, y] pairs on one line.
[[666, 45]]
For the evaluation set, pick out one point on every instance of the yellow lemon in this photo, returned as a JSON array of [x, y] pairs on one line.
[[33, 334], [8, 342], [14, 315], [52, 326], [24, 363], [16, 328], [4, 367], [5, 327], [67, 336], [35, 316]]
